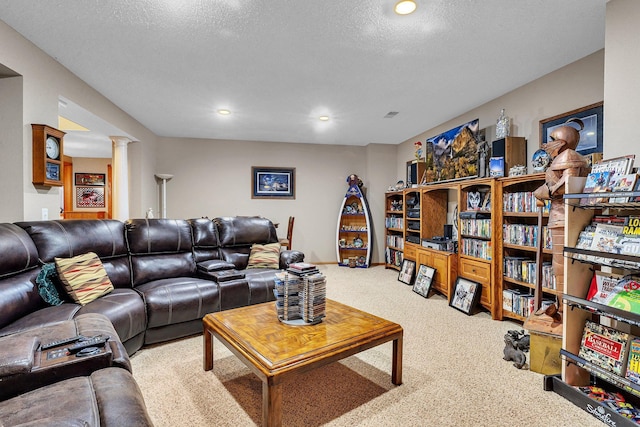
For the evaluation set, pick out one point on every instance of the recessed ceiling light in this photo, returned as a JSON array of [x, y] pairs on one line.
[[405, 7], [324, 118], [224, 112]]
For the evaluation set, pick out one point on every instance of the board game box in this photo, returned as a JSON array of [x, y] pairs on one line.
[[604, 347]]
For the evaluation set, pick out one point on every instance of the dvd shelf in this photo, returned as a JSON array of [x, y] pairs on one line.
[[394, 229], [520, 233]]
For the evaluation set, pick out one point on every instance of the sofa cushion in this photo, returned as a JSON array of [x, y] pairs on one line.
[[18, 251], [108, 397], [205, 239], [245, 231], [83, 277], [177, 300], [264, 256], [70, 237]]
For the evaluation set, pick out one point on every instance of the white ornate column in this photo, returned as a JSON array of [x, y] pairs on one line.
[[120, 190]]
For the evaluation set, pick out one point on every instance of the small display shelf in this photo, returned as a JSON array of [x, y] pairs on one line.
[[353, 235]]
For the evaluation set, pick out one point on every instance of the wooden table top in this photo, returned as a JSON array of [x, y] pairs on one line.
[[272, 346]]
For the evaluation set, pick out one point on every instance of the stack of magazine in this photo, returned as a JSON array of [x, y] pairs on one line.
[[300, 293]]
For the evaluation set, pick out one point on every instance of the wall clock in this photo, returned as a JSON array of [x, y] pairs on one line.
[[47, 155]]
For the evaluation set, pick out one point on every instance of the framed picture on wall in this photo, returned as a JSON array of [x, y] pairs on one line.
[[590, 136], [90, 197], [273, 183], [96, 179]]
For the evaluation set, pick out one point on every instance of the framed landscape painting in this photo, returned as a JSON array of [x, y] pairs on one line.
[[273, 183]]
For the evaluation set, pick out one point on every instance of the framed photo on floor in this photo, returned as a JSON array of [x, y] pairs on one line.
[[466, 295], [422, 285], [406, 271]]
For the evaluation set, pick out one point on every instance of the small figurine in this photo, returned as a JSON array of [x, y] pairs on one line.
[[512, 353]]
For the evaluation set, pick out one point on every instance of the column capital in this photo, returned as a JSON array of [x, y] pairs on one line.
[[120, 140]]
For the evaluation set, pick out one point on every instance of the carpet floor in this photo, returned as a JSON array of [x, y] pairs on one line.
[[453, 373]]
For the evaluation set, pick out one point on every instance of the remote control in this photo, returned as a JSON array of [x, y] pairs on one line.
[[63, 341], [97, 341]]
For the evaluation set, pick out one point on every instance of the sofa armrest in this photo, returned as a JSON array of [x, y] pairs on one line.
[[290, 256]]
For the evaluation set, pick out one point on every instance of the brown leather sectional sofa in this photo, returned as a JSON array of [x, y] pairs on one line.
[[163, 272]]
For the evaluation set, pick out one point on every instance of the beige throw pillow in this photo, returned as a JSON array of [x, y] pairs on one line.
[[264, 256], [84, 277]]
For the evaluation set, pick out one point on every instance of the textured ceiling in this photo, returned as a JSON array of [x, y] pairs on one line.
[[279, 64]]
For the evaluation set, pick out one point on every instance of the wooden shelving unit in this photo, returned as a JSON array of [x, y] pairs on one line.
[[517, 239], [477, 237], [394, 229]]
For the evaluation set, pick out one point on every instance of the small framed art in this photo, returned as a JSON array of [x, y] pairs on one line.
[[273, 183], [406, 271], [422, 284], [466, 294], [90, 179], [90, 197], [591, 136]]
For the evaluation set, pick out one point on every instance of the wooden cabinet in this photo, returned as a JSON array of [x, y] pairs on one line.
[[519, 268], [578, 272], [446, 266], [353, 235], [47, 155], [394, 229], [477, 236]]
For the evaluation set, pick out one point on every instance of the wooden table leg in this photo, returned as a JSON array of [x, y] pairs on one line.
[[271, 404], [208, 350], [396, 369]]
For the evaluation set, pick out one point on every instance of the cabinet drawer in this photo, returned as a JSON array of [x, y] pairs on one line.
[[475, 270], [409, 252], [478, 272]]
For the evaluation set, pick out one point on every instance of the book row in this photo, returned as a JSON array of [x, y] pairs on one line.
[[393, 257], [476, 227], [525, 270], [394, 222], [476, 248], [525, 235], [520, 303], [523, 202], [395, 241]]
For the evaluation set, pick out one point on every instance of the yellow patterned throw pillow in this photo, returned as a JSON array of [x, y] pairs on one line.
[[84, 277], [264, 256]]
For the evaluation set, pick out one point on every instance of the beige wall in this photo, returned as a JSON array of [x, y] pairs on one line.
[[43, 81], [622, 84], [576, 85], [213, 178], [11, 166]]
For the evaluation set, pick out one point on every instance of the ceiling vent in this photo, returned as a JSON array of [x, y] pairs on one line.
[[391, 114]]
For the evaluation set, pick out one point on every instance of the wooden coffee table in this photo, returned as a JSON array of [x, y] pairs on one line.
[[275, 351]]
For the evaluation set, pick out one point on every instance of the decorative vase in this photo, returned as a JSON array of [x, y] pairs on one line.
[[502, 125]]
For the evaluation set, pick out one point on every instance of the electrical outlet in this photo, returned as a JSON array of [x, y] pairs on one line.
[[45, 213]]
